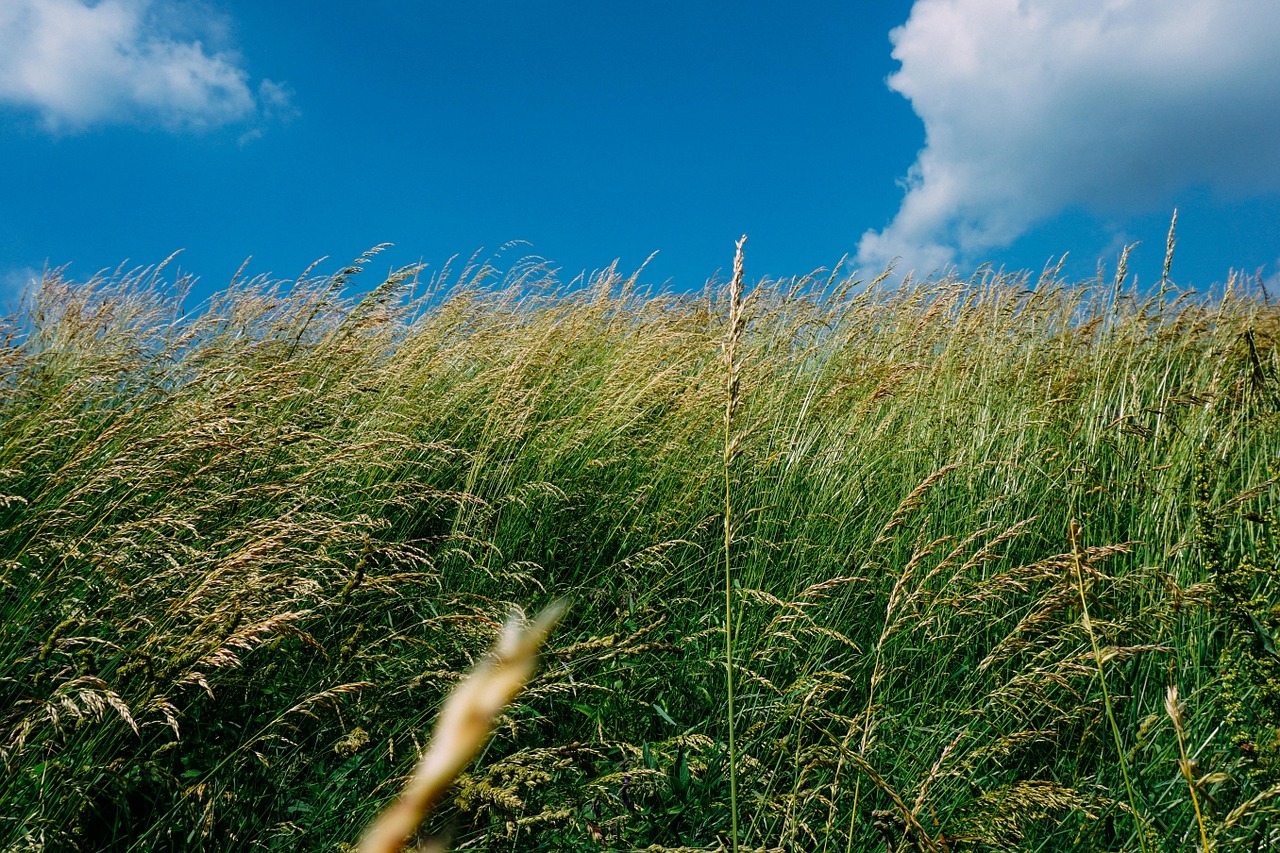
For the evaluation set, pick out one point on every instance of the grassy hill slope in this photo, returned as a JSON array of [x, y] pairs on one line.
[[245, 553]]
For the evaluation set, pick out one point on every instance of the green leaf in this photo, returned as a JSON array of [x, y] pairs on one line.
[[1264, 636]]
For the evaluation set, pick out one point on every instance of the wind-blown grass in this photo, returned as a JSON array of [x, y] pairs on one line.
[[248, 551]]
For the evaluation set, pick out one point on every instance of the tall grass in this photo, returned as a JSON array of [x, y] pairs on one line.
[[248, 550], [732, 399]]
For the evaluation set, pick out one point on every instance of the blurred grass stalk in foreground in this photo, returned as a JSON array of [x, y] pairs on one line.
[[465, 723]]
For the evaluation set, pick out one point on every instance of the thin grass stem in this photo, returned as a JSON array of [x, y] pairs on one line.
[[732, 392], [1074, 532], [1174, 709]]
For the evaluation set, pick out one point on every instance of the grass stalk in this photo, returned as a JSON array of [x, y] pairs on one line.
[[1074, 533], [465, 723], [1174, 709], [733, 392], [1169, 244]]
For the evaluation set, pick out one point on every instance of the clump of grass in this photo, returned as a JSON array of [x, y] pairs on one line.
[[246, 549]]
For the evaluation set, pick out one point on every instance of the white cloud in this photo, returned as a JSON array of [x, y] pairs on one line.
[[15, 282], [79, 64], [1033, 107]]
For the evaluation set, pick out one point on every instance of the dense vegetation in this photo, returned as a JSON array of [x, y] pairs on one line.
[[246, 552]]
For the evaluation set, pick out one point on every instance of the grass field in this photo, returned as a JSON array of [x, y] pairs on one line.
[[247, 551]]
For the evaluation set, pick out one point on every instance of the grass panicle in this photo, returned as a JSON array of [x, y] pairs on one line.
[[465, 723]]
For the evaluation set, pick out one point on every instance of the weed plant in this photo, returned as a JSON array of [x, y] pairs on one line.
[[245, 553]]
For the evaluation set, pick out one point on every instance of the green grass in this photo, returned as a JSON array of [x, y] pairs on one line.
[[245, 553]]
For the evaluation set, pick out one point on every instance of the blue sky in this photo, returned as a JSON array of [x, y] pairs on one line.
[[936, 132]]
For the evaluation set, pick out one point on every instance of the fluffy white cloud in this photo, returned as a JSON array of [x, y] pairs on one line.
[[1032, 107], [79, 63]]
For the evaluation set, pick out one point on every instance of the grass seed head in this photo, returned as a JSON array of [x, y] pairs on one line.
[[464, 725]]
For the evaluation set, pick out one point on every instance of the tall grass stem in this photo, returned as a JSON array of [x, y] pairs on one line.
[[732, 392]]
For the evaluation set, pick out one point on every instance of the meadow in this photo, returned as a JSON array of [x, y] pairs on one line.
[[999, 557]]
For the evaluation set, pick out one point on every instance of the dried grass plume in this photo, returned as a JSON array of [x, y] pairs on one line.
[[463, 727]]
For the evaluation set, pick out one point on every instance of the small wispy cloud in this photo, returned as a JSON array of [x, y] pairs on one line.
[[78, 64], [16, 281], [275, 103], [1034, 107]]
